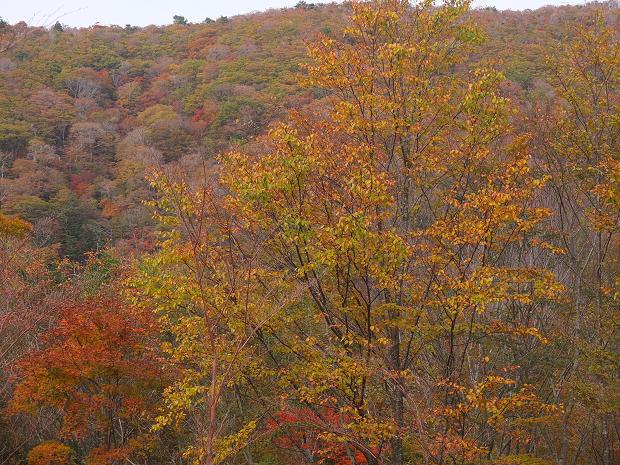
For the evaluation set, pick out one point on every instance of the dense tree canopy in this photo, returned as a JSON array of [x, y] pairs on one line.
[[373, 233]]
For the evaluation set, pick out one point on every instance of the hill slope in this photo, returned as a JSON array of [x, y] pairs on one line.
[[83, 112]]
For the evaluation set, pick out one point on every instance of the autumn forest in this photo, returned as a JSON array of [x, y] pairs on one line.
[[381, 232]]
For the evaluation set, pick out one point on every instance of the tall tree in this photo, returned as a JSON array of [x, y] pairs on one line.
[[401, 212], [213, 298]]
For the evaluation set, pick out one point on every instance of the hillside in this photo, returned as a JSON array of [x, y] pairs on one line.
[[84, 111]]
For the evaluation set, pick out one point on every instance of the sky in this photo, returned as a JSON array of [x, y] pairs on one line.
[[145, 12]]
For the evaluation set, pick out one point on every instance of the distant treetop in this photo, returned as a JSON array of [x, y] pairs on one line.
[[178, 19], [305, 5]]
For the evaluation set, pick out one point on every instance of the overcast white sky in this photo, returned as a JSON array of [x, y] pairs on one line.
[[144, 12]]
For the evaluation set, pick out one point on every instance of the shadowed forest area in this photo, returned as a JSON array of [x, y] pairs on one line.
[[368, 233]]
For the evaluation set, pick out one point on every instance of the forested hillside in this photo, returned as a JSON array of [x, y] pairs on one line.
[[368, 233], [84, 111]]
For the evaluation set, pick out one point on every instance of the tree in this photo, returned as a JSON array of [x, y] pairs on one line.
[[402, 213], [51, 115], [51, 453], [179, 20], [77, 231], [299, 432], [213, 299], [11, 35], [90, 142], [305, 5], [99, 370], [166, 131], [14, 135], [83, 83]]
